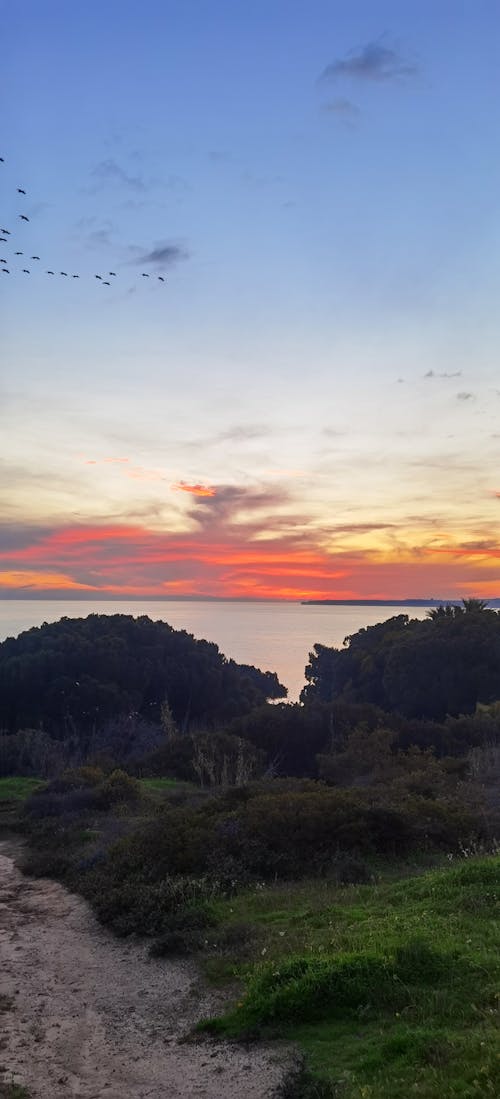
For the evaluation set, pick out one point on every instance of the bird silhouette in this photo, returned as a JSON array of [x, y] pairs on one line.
[[35, 257], [98, 277], [19, 253], [49, 272], [20, 191], [112, 273], [5, 271], [25, 271], [75, 276], [3, 261], [4, 240], [2, 160], [160, 278], [106, 283], [23, 217], [6, 231], [144, 275], [65, 273]]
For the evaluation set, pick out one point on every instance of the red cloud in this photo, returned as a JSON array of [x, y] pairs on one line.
[[195, 490], [133, 560]]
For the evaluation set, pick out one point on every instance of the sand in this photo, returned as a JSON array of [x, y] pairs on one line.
[[93, 1016]]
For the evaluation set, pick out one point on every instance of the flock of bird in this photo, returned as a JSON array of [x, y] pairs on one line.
[[5, 265]]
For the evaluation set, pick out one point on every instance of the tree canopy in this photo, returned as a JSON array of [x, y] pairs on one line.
[[75, 674], [442, 665]]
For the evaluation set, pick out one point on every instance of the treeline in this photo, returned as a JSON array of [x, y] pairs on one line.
[[134, 693], [427, 669], [72, 676]]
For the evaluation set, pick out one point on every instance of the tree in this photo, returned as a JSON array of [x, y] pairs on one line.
[[74, 675], [444, 664]]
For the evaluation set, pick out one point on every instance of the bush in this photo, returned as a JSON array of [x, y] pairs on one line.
[[348, 870], [30, 752], [184, 931], [120, 788], [72, 804]]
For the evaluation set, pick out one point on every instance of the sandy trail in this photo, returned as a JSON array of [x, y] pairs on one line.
[[95, 1017]]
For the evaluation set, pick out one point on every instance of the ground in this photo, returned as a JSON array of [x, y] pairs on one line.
[[90, 1016]]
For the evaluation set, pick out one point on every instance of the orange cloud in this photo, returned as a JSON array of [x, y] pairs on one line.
[[21, 579], [195, 490], [228, 562]]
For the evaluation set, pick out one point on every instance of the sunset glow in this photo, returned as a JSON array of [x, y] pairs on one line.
[[141, 562], [288, 388]]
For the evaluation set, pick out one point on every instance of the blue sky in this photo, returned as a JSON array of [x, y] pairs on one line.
[[318, 184]]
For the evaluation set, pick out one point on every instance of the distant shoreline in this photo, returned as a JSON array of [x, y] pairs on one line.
[[85, 597], [391, 602]]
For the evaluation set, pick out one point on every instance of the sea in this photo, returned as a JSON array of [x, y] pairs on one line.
[[276, 637]]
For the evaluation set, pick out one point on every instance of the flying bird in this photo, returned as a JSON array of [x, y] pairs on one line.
[[161, 279], [23, 217], [19, 253], [98, 277], [25, 271], [20, 191], [75, 276], [35, 257], [5, 271], [4, 240], [112, 273], [144, 275], [3, 261], [2, 160], [6, 231], [65, 273], [49, 272], [106, 283]]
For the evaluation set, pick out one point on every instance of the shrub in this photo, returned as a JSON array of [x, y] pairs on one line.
[[72, 804], [184, 930], [120, 787]]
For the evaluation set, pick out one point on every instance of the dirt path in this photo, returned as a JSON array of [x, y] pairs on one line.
[[95, 1017]]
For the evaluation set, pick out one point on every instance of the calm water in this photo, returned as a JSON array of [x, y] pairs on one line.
[[274, 636]]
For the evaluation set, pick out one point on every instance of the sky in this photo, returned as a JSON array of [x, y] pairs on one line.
[[302, 398]]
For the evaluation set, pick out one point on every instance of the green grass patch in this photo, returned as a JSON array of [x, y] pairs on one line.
[[161, 783], [390, 989], [17, 788]]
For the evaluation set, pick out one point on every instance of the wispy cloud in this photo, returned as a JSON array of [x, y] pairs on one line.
[[108, 171], [344, 109], [373, 62], [162, 255], [443, 374]]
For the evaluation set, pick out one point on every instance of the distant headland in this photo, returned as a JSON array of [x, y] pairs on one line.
[[391, 602]]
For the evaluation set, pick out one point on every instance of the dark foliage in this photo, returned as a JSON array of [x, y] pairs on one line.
[[76, 675], [427, 669]]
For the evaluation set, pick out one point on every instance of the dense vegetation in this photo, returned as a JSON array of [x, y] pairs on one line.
[[267, 837], [443, 665], [72, 676]]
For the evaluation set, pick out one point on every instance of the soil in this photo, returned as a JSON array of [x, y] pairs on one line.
[[89, 1015]]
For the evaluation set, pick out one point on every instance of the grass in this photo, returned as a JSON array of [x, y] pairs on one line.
[[160, 783], [17, 788], [390, 989]]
